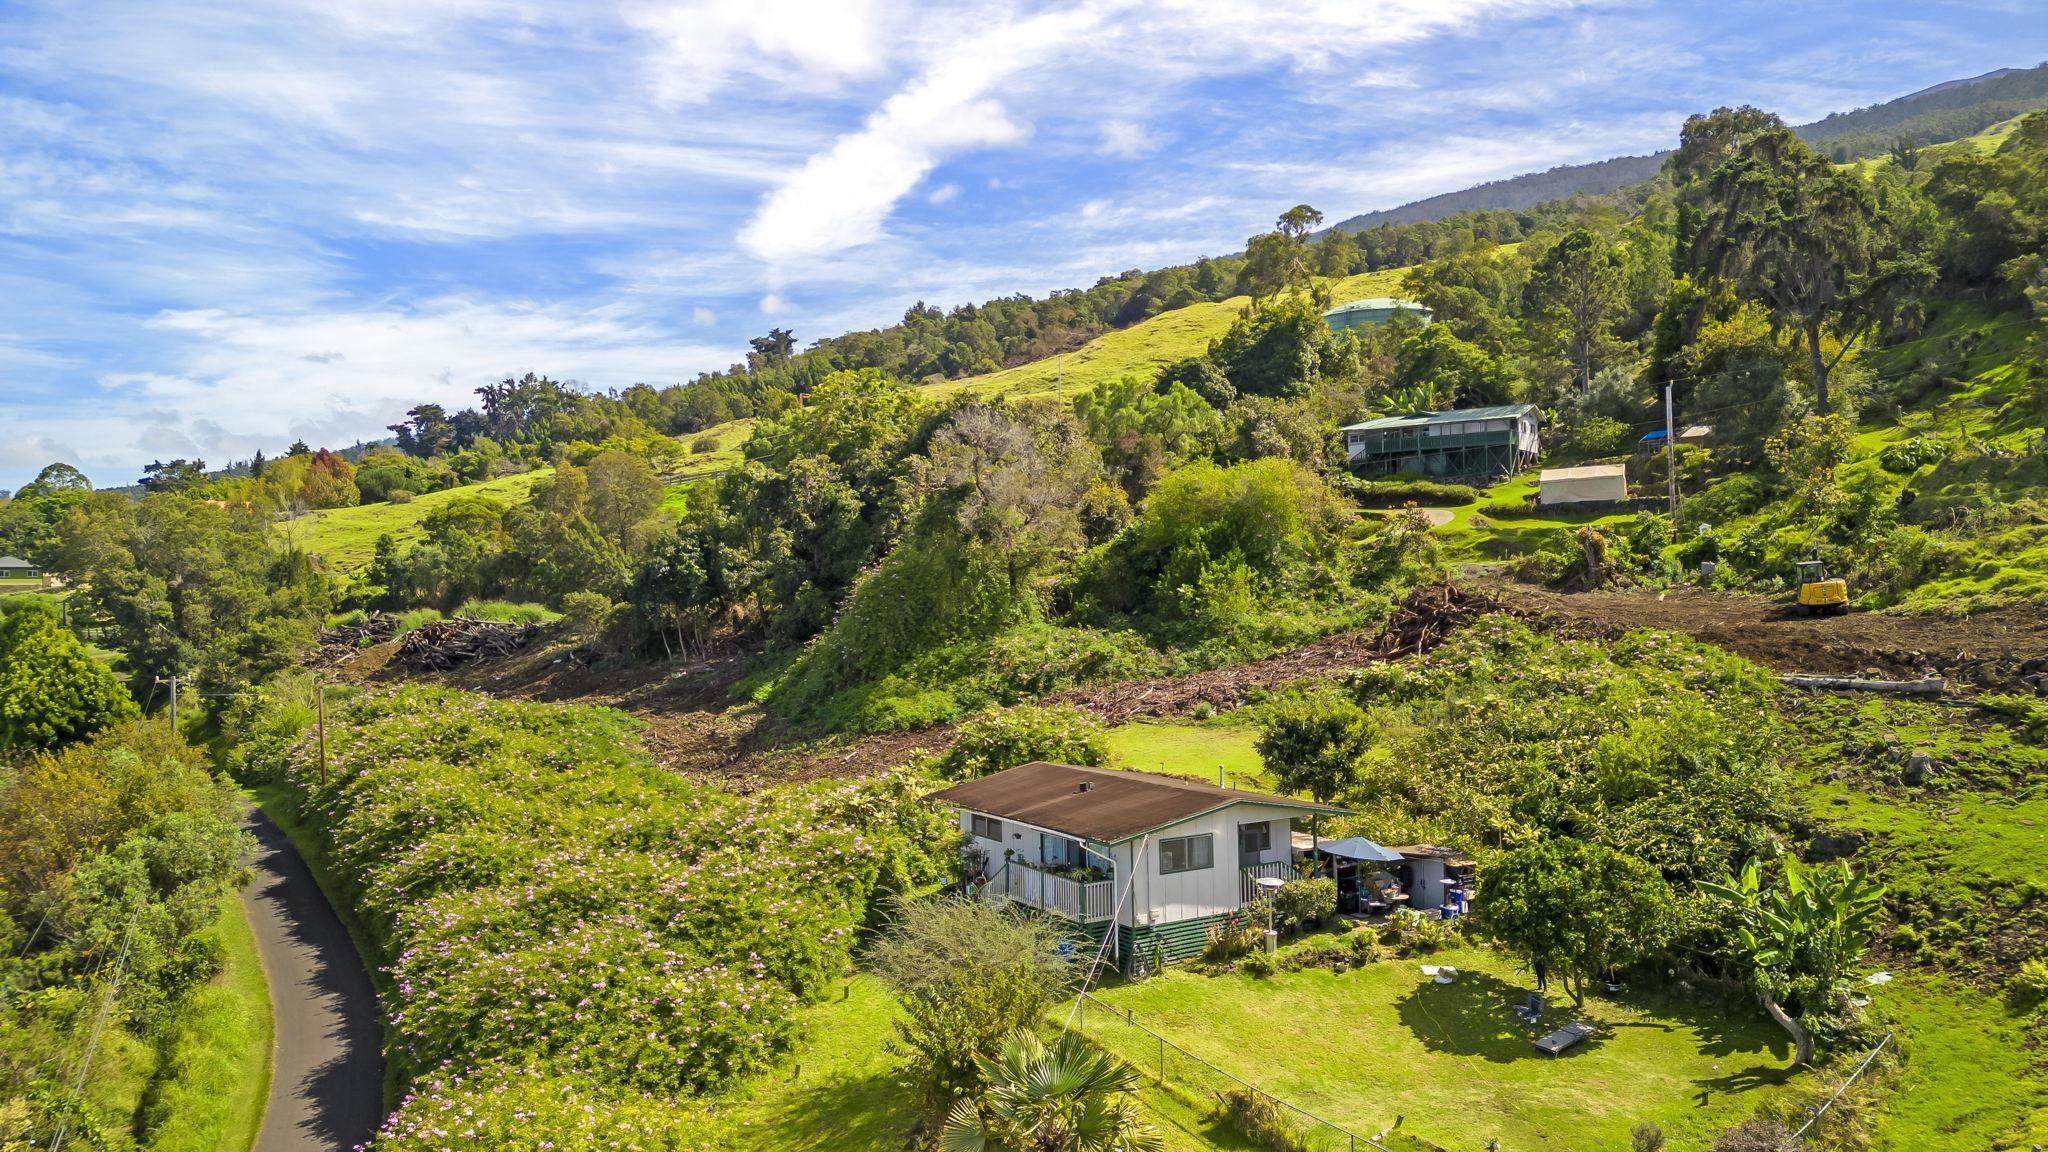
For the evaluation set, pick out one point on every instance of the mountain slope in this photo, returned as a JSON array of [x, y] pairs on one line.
[[1946, 111]]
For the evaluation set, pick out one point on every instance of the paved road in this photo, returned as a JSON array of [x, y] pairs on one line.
[[326, 1090]]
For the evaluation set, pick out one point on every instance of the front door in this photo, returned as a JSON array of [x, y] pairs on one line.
[[1253, 841]]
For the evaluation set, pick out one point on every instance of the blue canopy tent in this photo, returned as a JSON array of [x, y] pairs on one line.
[[1353, 861], [1359, 848]]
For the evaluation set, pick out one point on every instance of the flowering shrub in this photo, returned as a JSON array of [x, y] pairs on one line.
[[554, 908]]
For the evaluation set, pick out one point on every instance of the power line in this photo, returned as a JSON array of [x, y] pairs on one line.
[[92, 1040]]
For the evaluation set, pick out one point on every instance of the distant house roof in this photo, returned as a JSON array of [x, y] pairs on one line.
[[1583, 472], [1102, 804], [1447, 416], [14, 562]]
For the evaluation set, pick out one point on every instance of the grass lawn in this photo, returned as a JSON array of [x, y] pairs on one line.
[[1451, 1061], [839, 1091], [211, 1090], [347, 537], [1190, 748]]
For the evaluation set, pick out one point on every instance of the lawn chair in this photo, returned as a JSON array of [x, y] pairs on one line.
[[1555, 1043], [1530, 1010]]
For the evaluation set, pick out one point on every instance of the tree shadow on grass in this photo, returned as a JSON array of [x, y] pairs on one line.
[[1726, 1023], [1475, 1016], [871, 1111]]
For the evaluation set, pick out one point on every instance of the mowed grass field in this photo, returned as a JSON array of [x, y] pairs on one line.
[[1194, 749], [347, 537], [1366, 1047]]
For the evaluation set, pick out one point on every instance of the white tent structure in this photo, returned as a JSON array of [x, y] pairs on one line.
[[1586, 484]]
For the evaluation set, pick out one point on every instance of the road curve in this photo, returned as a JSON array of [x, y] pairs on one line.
[[327, 1080]]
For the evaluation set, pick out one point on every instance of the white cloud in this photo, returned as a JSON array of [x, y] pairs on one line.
[[773, 305], [944, 194], [1127, 138], [790, 43], [840, 198], [1094, 209], [702, 317]]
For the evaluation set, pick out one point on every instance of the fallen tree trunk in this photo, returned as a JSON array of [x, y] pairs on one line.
[[1925, 686]]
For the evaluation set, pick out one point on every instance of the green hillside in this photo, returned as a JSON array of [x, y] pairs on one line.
[[1145, 347], [347, 537]]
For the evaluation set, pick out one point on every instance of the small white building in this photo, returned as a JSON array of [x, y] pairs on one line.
[[1586, 484], [1157, 859]]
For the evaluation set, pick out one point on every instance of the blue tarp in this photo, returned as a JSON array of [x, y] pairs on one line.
[[1656, 437], [1359, 848]]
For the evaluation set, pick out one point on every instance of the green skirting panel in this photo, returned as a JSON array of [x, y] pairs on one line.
[[1156, 945]]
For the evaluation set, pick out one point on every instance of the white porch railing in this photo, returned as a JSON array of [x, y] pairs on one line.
[[1250, 874], [1084, 903]]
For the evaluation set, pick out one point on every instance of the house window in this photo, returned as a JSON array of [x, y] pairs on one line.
[[1253, 839], [986, 827], [1187, 854]]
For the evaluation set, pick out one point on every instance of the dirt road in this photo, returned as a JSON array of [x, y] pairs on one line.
[[326, 1088]]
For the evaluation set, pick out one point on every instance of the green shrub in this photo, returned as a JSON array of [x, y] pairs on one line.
[[1232, 938], [895, 706], [1260, 1120], [2028, 988], [1258, 964], [704, 444], [401, 496], [1006, 737], [1600, 436], [1396, 492], [1305, 902], [1909, 456]]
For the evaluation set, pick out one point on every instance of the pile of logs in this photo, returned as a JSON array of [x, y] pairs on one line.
[[339, 646], [449, 644]]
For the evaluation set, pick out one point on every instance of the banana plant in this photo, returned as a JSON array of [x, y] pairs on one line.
[[1070, 1097], [1804, 937]]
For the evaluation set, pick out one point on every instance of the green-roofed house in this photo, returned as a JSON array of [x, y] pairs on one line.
[[15, 568], [1496, 441], [1375, 312]]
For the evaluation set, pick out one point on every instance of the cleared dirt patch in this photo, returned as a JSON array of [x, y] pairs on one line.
[[1991, 649]]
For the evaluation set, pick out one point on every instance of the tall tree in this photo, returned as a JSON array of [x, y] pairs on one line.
[[1574, 291], [176, 476], [1297, 222], [1782, 224], [1313, 742]]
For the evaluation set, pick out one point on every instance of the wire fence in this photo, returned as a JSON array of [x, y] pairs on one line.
[[1845, 1086], [1279, 1125]]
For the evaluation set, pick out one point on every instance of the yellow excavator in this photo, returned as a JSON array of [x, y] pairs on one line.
[[1818, 591]]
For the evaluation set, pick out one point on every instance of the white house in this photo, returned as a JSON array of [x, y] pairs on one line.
[[1158, 858]]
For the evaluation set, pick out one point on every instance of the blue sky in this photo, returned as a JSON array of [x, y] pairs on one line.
[[227, 225]]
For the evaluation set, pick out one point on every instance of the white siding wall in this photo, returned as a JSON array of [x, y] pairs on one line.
[[1162, 898]]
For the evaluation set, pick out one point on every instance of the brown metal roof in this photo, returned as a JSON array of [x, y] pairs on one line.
[[1101, 804]]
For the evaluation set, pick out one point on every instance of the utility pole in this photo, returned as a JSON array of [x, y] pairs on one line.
[[173, 682], [1671, 454]]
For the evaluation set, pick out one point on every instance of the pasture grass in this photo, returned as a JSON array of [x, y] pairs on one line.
[[347, 537], [1452, 1062], [214, 1079], [1192, 748], [1144, 347]]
